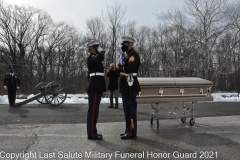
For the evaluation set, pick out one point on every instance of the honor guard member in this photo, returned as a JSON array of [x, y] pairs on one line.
[[96, 87], [11, 83], [129, 86]]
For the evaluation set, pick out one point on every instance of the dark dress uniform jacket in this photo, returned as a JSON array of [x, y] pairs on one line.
[[113, 79], [12, 82], [132, 63], [94, 64]]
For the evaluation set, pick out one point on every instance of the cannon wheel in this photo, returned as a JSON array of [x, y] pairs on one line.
[[55, 93], [37, 90]]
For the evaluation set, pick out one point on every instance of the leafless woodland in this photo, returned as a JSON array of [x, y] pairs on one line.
[[201, 41]]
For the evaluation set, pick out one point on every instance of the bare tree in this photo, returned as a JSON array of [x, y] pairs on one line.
[[113, 19], [229, 47], [20, 29], [143, 39], [47, 50], [207, 17], [95, 28]]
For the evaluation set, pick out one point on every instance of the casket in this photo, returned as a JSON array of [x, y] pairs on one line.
[[177, 89], [157, 90]]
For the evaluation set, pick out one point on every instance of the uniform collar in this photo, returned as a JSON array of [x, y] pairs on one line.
[[130, 51]]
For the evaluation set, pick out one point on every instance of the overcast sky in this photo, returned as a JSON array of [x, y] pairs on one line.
[[145, 12]]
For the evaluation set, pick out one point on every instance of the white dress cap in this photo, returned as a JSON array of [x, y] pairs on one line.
[[126, 38], [93, 42]]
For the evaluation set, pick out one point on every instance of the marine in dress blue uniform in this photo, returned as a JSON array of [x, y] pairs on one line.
[[11, 83], [129, 86], [96, 87]]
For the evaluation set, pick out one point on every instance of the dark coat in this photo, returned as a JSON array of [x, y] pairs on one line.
[[132, 63], [12, 82], [94, 64], [113, 79]]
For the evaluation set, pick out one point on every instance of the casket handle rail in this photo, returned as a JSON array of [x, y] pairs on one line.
[[139, 94], [209, 90], [160, 91], [181, 91], [201, 91]]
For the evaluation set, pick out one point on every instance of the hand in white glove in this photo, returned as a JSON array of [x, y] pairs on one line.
[[117, 65], [99, 49], [18, 87], [5, 87]]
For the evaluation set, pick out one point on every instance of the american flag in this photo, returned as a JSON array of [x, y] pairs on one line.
[[122, 57]]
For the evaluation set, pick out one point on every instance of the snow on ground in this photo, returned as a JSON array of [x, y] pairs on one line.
[[82, 98]]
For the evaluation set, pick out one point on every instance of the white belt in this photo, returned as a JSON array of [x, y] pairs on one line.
[[129, 77], [125, 74], [96, 74]]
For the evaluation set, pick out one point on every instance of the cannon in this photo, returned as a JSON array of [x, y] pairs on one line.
[[51, 93]]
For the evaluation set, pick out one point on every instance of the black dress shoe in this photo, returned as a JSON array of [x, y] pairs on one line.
[[125, 136], [122, 134], [99, 135], [95, 138]]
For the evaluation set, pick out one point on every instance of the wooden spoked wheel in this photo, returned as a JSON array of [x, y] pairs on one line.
[[40, 89], [55, 93]]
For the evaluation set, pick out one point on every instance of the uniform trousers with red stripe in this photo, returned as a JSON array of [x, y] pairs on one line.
[[130, 112], [94, 99]]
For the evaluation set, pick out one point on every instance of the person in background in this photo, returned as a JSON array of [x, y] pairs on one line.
[[113, 75], [11, 83], [96, 87]]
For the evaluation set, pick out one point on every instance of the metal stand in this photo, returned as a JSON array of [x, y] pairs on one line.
[[175, 112]]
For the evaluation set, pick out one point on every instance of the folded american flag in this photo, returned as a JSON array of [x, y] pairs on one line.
[[122, 57]]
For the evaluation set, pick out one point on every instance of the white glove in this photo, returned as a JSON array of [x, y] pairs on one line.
[[18, 87], [99, 49], [5, 87], [117, 65]]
